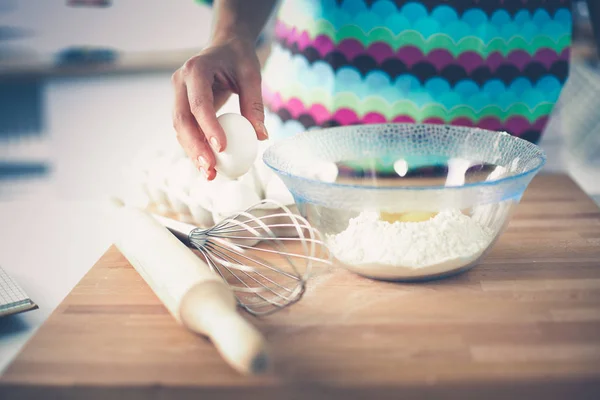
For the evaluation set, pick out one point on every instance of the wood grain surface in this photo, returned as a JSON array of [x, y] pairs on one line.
[[523, 324]]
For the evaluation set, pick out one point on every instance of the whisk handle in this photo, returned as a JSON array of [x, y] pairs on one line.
[[181, 230]]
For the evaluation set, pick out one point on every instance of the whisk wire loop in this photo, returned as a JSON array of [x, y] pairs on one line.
[[266, 255]]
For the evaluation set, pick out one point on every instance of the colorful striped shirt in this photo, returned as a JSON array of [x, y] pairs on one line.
[[495, 64]]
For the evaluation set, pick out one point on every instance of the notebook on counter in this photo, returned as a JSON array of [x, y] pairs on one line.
[[13, 299]]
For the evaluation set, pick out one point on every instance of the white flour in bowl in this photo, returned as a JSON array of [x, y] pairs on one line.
[[372, 247]]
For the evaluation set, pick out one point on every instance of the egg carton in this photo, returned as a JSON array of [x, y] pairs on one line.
[[167, 182]]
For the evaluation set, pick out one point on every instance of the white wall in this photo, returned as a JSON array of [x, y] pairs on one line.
[[128, 25], [96, 126]]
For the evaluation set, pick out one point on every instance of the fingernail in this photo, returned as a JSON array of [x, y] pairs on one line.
[[210, 176], [203, 172], [202, 161], [263, 129], [215, 144]]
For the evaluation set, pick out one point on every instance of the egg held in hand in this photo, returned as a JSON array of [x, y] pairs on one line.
[[241, 149]]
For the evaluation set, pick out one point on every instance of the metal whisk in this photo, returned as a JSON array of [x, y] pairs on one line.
[[265, 254]]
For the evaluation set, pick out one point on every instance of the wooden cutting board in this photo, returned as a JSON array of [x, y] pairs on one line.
[[523, 324]]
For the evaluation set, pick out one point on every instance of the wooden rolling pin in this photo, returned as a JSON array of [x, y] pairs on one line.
[[194, 295]]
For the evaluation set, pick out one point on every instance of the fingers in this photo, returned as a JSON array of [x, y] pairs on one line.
[[190, 137], [221, 97], [200, 97], [251, 103], [201, 85]]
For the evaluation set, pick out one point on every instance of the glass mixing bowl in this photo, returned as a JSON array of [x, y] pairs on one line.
[[405, 201]]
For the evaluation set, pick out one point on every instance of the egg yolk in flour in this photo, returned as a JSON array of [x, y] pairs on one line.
[[416, 216]]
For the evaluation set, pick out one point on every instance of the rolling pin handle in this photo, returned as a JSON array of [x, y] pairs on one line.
[[209, 308]]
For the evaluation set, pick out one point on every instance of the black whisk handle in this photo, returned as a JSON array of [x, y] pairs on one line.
[[181, 230]]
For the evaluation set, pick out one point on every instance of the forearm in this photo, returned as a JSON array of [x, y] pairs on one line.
[[240, 18]]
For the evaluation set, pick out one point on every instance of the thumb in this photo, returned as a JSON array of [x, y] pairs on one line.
[[251, 104]]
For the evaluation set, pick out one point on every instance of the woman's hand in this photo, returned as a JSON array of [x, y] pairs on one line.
[[202, 85]]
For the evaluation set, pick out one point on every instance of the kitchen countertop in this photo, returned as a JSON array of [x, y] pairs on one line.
[[69, 193], [46, 276], [522, 324], [62, 256]]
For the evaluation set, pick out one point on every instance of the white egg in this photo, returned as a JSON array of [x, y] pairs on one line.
[[251, 180], [242, 146], [277, 191], [177, 200], [263, 172], [234, 197], [159, 198], [203, 195], [199, 194], [200, 216], [204, 192], [231, 198]]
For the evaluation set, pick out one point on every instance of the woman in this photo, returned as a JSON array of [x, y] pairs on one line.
[[494, 64]]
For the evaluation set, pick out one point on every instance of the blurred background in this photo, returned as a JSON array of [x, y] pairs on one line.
[[83, 84]]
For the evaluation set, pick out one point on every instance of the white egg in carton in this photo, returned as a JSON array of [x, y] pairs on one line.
[[168, 182]]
